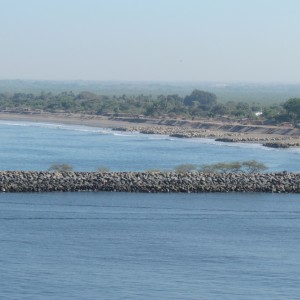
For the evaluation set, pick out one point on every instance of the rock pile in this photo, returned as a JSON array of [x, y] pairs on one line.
[[148, 182], [283, 144], [268, 140], [180, 132]]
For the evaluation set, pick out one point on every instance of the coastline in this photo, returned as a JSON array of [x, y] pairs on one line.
[[269, 136], [65, 118], [142, 182]]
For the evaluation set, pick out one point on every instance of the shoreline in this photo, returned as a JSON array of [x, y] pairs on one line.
[[64, 118], [269, 136]]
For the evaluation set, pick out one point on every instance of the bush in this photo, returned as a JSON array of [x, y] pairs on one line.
[[253, 166], [183, 168], [103, 169], [60, 168], [249, 166], [233, 167]]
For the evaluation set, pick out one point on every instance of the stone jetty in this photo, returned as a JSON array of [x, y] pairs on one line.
[[268, 140], [148, 182], [283, 144]]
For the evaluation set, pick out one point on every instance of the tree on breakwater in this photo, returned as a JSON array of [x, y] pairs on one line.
[[249, 166], [60, 168], [252, 166], [183, 168], [103, 169]]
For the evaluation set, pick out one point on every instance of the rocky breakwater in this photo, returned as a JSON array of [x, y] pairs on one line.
[[268, 140], [179, 132], [283, 144], [148, 182]]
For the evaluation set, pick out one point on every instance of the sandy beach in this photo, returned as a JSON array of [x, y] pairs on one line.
[[65, 118], [271, 136]]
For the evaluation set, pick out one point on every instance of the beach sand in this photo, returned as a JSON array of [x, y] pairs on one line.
[[65, 118], [278, 136]]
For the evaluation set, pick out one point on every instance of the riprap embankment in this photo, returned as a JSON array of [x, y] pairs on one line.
[[148, 182]]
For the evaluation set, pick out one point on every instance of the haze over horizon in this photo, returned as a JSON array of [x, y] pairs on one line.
[[163, 40]]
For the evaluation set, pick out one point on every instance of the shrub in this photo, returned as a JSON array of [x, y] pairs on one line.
[[232, 167], [103, 169], [60, 168], [249, 166], [208, 168], [253, 166], [183, 168]]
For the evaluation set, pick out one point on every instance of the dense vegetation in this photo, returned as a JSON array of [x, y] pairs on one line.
[[196, 105], [266, 94]]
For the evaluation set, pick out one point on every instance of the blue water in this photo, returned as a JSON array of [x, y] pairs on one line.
[[143, 246], [35, 146], [132, 246]]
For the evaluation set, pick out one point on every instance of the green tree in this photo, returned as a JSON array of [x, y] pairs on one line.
[[270, 112], [249, 166], [242, 110], [253, 166], [232, 167], [204, 100], [219, 110], [292, 107]]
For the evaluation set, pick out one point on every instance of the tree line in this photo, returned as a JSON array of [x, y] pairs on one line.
[[196, 105]]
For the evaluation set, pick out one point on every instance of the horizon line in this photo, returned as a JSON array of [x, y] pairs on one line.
[[216, 82]]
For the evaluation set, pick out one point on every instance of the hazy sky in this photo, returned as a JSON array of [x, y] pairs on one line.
[[159, 40]]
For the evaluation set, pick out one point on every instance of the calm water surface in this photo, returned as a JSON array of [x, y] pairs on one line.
[[165, 246], [35, 146]]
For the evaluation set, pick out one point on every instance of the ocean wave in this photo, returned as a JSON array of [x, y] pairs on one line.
[[229, 144], [294, 150], [144, 137], [160, 137], [81, 128], [124, 134]]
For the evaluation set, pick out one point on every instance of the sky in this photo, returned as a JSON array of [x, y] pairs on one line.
[[157, 40]]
